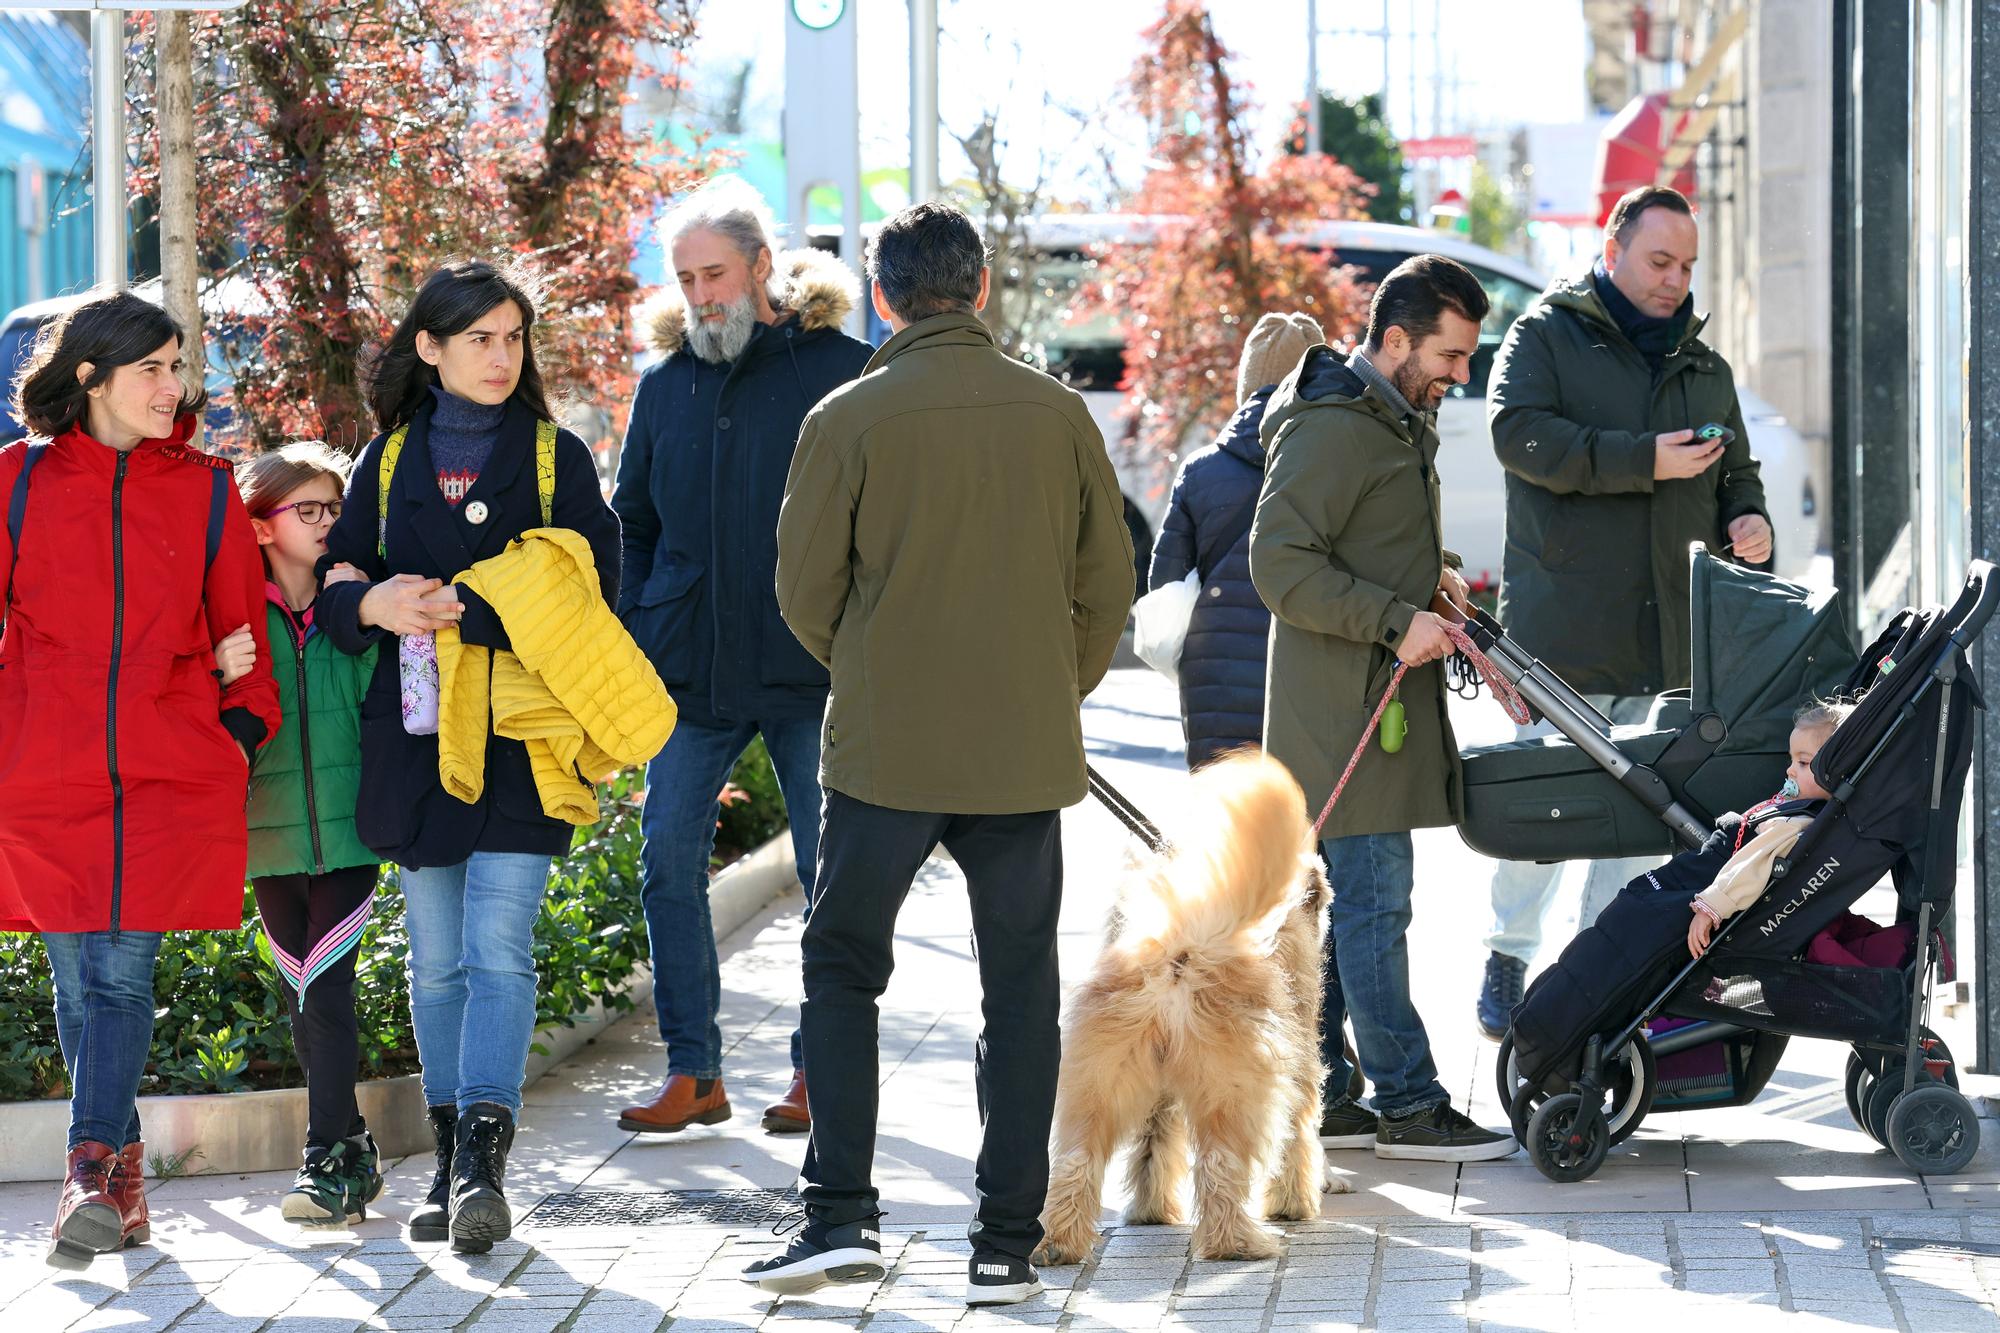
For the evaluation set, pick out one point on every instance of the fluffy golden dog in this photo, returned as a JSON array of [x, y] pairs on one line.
[[1197, 1032]]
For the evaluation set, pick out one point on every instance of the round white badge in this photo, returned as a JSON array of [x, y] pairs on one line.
[[476, 512]]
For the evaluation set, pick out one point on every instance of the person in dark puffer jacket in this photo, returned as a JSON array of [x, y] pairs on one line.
[[1207, 529]]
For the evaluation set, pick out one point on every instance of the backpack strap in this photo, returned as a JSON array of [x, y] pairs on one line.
[[392, 449], [545, 469], [218, 510], [17, 507]]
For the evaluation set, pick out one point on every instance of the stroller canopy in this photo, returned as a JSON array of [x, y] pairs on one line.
[[1760, 646]]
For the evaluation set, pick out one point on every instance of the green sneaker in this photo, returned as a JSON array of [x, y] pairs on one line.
[[1440, 1134], [335, 1185], [1347, 1124]]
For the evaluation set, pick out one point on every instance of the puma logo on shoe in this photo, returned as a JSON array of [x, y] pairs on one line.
[[993, 1270], [875, 1236]]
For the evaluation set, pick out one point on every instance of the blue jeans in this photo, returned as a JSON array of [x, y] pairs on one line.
[[104, 1022], [472, 974], [1372, 876], [1523, 890], [682, 784]]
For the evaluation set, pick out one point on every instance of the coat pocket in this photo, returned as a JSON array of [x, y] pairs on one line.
[[397, 771], [782, 659], [663, 620]]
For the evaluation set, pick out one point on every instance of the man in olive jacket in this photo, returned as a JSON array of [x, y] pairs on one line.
[[953, 547], [1347, 551], [1596, 398]]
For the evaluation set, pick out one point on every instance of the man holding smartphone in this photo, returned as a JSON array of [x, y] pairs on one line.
[[1623, 443]]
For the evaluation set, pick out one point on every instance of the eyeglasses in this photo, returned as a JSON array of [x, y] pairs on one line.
[[309, 510]]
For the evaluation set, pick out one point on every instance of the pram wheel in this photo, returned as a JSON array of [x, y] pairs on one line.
[[1567, 1140], [1634, 1078], [1938, 1063], [1880, 1096], [1932, 1130]]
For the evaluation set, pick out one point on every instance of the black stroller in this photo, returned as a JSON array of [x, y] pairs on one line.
[[1710, 1031]]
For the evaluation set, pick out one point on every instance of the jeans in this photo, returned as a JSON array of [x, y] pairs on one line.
[[104, 1023], [472, 974], [1523, 890], [682, 783], [1372, 876], [1013, 873]]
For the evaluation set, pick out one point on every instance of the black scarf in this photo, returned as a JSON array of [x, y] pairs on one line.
[[1653, 336]]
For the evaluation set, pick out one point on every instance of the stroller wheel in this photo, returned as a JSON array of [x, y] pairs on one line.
[[1880, 1096], [1938, 1061], [1858, 1081], [1635, 1077], [1932, 1130], [1504, 1073], [1527, 1100], [1567, 1140]]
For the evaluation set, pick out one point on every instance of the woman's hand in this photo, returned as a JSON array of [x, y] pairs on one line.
[[1700, 930], [407, 604], [235, 655], [343, 573]]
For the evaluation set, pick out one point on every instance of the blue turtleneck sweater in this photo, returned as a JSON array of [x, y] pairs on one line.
[[461, 438]]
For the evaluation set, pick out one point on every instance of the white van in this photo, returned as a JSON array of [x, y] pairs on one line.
[[1089, 354]]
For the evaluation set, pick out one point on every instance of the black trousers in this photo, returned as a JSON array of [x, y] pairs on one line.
[[299, 913], [868, 857]]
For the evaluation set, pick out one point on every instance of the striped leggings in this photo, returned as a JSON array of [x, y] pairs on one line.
[[314, 925]]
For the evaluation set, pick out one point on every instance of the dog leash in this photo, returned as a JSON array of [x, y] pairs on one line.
[[1125, 812], [1502, 690]]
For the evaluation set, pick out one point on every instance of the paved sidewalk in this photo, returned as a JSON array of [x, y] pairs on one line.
[[1780, 1212]]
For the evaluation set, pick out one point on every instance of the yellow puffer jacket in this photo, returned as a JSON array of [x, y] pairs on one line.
[[575, 688]]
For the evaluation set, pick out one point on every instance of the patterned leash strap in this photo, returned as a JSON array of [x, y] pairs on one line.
[[1501, 688]]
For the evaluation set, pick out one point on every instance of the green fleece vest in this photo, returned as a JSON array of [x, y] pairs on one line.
[[302, 811]]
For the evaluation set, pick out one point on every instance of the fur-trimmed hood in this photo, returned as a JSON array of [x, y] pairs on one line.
[[812, 284]]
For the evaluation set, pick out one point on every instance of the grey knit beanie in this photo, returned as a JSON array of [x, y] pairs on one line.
[[1275, 345]]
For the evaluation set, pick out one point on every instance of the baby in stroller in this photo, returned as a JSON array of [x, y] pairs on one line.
[[1744, 877], [1635, 940]]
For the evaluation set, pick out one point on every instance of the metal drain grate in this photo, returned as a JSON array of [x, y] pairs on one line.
[[664, 1208]]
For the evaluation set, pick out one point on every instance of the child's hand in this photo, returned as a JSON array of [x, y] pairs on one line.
[[235, 655], [343, 573], [1700, 930]]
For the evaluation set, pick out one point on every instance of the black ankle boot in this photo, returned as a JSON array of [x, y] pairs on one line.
[[432, 1218], [479, 1215]]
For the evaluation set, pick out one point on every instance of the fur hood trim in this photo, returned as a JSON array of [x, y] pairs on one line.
[[811, 284]]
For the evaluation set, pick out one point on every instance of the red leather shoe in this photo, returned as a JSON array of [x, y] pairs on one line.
[[87, 1219], [789, 1115], [128, 1191], [682, 1102]]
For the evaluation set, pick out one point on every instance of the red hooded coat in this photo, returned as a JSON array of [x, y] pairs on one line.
[[122, 770]]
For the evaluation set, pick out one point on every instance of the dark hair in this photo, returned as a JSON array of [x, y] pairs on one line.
[[108, 329], [927, 260], [1633, 204], [451, 300], [1417, 292]]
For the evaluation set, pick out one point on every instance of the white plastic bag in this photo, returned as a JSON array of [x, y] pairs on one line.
[[1160, 624]]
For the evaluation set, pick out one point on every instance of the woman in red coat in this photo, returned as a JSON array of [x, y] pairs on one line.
[[123, 760]]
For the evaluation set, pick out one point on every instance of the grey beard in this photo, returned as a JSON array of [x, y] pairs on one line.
[[719, 343]]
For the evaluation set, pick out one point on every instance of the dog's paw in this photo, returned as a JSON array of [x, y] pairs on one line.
[[1159, 1215], [1244, 1241], [1051, 1255], [1337, 1183]]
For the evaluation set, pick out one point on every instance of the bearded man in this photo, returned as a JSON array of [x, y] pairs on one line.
[[751, 341]]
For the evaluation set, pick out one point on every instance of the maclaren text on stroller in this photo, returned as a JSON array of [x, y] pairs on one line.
[[1896, 772]]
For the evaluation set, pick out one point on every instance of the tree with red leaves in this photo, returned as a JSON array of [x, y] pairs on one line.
[[348, 146], [1233, 244]]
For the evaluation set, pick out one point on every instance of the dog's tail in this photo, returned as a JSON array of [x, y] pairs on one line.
[[1236, 863]]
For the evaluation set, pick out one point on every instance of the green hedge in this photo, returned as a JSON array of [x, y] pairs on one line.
[[220, 1026]]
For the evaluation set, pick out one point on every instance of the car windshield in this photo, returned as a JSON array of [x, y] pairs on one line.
[[1068, 330]]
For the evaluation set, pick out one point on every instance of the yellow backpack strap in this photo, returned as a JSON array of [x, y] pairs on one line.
[[392, 449], [545, 469]]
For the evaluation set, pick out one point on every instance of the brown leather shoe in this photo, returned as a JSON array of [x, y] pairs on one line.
[[88, 1222], [679, 1105], [128, 1191], [788, 1115]]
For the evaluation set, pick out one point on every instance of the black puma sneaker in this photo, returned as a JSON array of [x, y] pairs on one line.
[[997, 1279], [819, 1254]]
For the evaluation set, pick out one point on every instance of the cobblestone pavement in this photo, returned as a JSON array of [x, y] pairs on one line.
[[1803, 1271], [1780, 1213]]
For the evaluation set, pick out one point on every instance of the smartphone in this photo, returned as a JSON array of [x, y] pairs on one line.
[[1718, 435]]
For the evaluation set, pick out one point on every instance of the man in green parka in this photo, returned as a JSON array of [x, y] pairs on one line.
[[1596, 401], [1346, 550]]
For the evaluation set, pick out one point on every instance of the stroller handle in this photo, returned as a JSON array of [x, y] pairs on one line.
[[1976, 604]]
